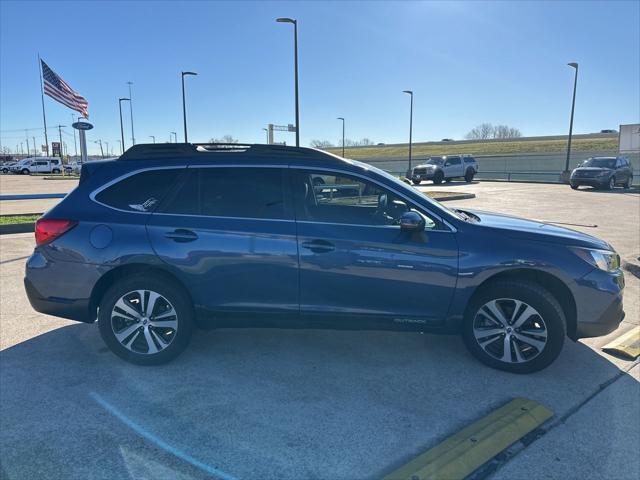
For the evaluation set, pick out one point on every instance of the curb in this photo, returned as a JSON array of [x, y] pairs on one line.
[[17, 228], [462, 196]]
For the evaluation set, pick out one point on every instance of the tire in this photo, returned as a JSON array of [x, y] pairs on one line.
[[628, 183], [438, 177], [574, 187], [168, 342], [4, 170], [612, 183], [24, 171], [55, 170], [524, 357], [416, 182], [468, 176]]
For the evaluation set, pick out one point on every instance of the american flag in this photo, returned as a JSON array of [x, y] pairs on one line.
[[59, 90]]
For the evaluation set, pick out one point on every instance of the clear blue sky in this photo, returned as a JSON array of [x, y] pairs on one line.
[[499, 62]]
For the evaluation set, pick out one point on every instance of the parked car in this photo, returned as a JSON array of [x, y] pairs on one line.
[[73, 168], [172, 237], [603, 172], [37, 165], [439, 169], [7, 166]]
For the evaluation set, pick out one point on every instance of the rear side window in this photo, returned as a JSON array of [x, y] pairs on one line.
[[453, 160], [140, 192], [231, 192], [469, 160]]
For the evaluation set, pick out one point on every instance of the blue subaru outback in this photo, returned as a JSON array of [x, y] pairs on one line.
[[169, 238]]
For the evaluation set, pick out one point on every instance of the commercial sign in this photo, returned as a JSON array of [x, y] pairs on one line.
[[55, 147]]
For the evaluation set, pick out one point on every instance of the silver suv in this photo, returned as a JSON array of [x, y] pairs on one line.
[[445, 168]]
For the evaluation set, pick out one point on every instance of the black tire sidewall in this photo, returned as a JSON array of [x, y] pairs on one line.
[[173, 293], [536, 297], [438, 177], [468, 177]]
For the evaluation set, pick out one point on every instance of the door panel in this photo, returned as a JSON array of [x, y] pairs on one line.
[[372, 270]]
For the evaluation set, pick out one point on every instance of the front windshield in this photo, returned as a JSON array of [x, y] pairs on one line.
[[434, 161], [599, 162]]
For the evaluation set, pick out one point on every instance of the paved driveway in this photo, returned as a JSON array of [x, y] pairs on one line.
[[308, 404]]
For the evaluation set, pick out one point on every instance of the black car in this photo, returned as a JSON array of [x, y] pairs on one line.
[[603, 172]]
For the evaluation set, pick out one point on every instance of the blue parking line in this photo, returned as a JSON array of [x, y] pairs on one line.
[[157, 441], [33, 196]]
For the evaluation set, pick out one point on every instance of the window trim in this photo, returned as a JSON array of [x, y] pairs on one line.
[[451, 228]]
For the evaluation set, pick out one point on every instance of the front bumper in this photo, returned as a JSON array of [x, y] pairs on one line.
[[590, 181], [422, 176], [599, 304]]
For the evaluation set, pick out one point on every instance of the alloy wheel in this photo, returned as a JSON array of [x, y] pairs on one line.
[[510, 330], [144, 322]]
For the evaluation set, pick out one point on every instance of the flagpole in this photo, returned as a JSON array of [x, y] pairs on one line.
[[44, 117]]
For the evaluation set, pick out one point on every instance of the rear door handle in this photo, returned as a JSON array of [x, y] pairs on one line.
[[319, 246], [181, 235]]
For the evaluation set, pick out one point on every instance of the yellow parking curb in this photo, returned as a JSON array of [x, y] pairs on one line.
[[470, 448], [627, 345]]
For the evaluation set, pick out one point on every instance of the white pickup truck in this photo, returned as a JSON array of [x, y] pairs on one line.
[[445, 168], [27, 166]]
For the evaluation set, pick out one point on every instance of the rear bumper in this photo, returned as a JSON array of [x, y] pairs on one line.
[[76, 309]]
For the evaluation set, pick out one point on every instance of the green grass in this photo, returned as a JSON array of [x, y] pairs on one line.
[[14, 219], [481, 148]]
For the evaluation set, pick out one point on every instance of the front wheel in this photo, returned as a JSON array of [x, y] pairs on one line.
[[574, 186], [628, 183], [517, 327], [468, 177], [55, 170], [146, 320], [416, 182], [612, 183], [25, 171]]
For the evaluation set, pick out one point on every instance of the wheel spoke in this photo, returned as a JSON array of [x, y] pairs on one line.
[[506, 346], [536, 333], [485, 343], [150, 343], [524, 316], [481, 333], [159, 338], [122, 336], [163, 315], [128, 309], [537, 344], [131, 340], [516, 348], [172, 324], [151, 303], [495, 313]]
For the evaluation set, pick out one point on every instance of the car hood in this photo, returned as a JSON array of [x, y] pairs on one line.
[[592, 169], [540, 231]]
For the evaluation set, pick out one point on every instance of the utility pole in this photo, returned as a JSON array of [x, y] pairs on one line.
[[27, 136], [60, 135], [154, 138], [566, 174], [75, 145], [133, 138]]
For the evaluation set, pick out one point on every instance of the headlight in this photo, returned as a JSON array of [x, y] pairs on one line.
[[602, 259], [603, 173]]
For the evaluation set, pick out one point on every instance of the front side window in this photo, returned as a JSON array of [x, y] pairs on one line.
[[141, 192], [244, 192], [453, 161], [339, 198]]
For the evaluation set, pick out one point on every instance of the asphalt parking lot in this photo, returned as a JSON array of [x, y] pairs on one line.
[[311, 404]]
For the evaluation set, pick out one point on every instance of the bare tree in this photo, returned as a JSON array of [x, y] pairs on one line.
[[481, 132], [485, 131], [356, 143], [321, 144], [224, 139]]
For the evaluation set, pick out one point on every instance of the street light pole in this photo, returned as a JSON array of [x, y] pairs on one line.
[[410, 93], [75, 144], [99, 141], [60, 135], [154, 138], [133, 138], [107, 143], [120, 142], [184, 106], [120, 100], [175, 135], [340, 118], [267, 131], [295, 61], [573, 106]]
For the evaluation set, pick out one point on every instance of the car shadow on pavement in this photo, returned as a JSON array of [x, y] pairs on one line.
[[616, 191], [258, 403]]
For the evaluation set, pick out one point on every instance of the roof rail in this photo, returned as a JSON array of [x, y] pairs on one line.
[[144, 151]]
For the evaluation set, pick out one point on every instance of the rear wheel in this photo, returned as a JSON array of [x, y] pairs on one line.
[[438, 177], [146, 320], [468, 176], [574, 186], [416, 182], [518, 327], [25, 171]]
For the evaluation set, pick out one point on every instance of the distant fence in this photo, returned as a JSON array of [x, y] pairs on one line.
[[526, 167]]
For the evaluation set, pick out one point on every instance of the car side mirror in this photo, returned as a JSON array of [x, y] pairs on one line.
[[412, 222]]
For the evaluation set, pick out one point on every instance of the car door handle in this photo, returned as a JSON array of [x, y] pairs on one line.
[[181, 235], [318, 246]]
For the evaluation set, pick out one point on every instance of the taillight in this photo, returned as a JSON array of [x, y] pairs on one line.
[[48, 229]]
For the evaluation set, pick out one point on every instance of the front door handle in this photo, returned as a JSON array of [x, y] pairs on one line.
[[319, 246], [181, 235]]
